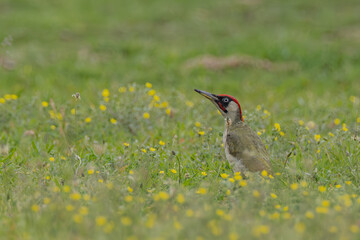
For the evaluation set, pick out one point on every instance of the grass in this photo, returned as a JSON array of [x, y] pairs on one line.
[[145, 162]]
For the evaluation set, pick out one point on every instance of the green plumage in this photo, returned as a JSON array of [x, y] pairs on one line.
[[242, 144]]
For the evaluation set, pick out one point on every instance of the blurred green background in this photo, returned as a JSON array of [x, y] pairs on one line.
[[61, 47]]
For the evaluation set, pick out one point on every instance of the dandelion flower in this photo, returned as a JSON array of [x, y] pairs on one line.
[[113, 120], [122, 89], [100, 221], [345, 129], [224, 175], [277, 127], [204, 173], [201, 133], [322, 210], [300, 227], [301, 122], [91, 171], [126, 221], [143, 150], [88, 119], [105, 93], [258, 108], [128, 198], [168, 111], [173, 170], [337, 121], [294, 186], [201, 191], [73, 111], [152, 149], [197, 124], [152, 92], [131, 89], [322, 189], [130, 189], [317, 137], [35, 208], [2, 100], [75, 196], [102, 107], [180, 198], [162, 143], [273, 195], [146, 115], [126, 144], [309, 215], [264, 173], [164, 195], [325, 203], [354, 228], [51, 159], [256, 193], [78, 218], [243, 183], [148, 85], [189, 213], [69, 208]]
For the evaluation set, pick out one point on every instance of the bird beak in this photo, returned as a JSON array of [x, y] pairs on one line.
[[210, 96]]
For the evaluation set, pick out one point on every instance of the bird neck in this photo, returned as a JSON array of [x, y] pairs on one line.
[[234, 117]]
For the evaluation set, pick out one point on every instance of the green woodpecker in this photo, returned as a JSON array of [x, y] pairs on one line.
[[243, 147]]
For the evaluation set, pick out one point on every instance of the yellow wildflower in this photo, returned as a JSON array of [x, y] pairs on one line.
[[131, 89], [128, 198], [102, 107], [325, 203], [164, 195], [354, 228], [300, 227], [277, 127], [201, 133], [258, 108], [273, 195], [162, 143], [333, 229], [256, 193], [91, 171], [322, 210], [69, 207], [294, 186], [51, 159], [73, 111], [180, 198], [148, 85], [168, 111], [146, 115], [201, 191], [78, 218], [243, 183], [337, 121], [173, 170], [143, 150], [113, 121], [301, 122], [44, 103], [345, 129], [331, 134], [260, 230], [100, 220], [105, 93], [264, 173], [197, 124], [126, 144], [126, 221], [2, 100], [122, 89], [317, 137], [152, 92], [204, 173], [88, 119], [322, 189], [35, 208], [75, 196], [224, 175], [152, 149], [189, 104]]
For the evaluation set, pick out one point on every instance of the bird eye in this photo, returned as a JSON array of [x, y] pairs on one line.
[[225, 100]]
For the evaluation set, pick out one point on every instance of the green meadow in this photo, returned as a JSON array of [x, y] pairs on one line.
[[103, 137]]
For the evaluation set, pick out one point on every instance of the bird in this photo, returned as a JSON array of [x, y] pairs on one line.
[[244, 149]]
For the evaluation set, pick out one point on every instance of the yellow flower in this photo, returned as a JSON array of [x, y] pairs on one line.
[[177, 225], [131, 172], [189, 213], [228, 192], [180, 198], [78, 218], [260, 230], [322, 189], [322, 210], [333, 229], [14, 97], [264, 173], [148, 85], [146, 115], [344, 127], [201, 133], [130, 189], [105, 93], [231, 180], [224, 175], [88, 119], [238, 177], [156, 98], [7, 96], [201, 191], [282, 133], [303, 183], [69, 207], [338, 186], [220, 212], [337, 208], [66, 188], [106, 99], [113, 121], [35, 208], [152, 92], [256, 193], [164, 104], [348, 182], [354, 228], [189, 104], [100, 220], [122, 90], [173, 170], [47, 177], [100, 180], [2, 100], [337, 121], [161, 172], [110, 185], [44, 103], [273, 195], [143, 150], [161, 143], [275, 138], [126, 144], [164, 195], [86, 197], [243, 183], [51, 159], [152, 149], [331, 134], [325, 203], [358, 120], [353, 99], [168, 111], [317, 137], [75, 196], [277, 127], [131, 89], [259, 133], [266, 112], [300, 227], [301, 122], [258, 108], [73, 111], [91, 171], [126, 221], [102, 107], [197, 124], [128, 198], [204, 173], [294, 186]]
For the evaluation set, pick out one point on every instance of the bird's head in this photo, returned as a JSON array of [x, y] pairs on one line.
[[228, 106]]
